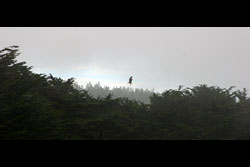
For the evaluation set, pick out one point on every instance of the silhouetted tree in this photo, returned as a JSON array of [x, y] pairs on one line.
[[39, 106]]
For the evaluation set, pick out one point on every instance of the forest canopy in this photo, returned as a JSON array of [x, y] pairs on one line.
[[43, 107], [98, 91]]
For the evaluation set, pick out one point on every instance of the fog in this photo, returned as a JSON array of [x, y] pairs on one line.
[[157, 57]]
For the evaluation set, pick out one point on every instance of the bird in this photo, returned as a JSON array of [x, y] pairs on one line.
[[130, 80]]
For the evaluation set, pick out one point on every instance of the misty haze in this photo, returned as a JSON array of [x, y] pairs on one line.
[[124, 83]]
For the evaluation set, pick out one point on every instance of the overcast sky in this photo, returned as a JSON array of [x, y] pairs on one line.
[[156, 57]]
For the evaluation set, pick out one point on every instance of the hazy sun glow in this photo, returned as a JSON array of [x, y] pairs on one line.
[[157, 57]]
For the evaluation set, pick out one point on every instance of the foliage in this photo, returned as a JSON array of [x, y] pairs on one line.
[[97, 90], [40, 107]]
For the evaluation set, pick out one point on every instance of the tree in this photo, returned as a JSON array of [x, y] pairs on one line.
[[24, 112]]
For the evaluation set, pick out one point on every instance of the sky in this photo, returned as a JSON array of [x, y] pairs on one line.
[[158, 58]]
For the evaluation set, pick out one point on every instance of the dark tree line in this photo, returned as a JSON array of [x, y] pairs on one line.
[[97, 90], [38, 106]]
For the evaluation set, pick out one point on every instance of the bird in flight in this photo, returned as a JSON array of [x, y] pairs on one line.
[[130, 80]]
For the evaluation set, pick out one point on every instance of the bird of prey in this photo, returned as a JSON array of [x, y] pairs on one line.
[[130, 80]]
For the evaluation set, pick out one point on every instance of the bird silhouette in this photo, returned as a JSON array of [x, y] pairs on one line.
[[130, 80]]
